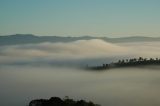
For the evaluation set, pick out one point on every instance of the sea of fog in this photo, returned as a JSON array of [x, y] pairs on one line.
[[33, 71], [117, 87]]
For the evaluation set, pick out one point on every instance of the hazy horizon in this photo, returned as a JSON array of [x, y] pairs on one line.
[[107, 36]]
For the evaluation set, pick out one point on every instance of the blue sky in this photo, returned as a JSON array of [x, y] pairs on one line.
[[113, 18]]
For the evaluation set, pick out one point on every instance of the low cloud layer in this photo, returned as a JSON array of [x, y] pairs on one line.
[[80, 52]]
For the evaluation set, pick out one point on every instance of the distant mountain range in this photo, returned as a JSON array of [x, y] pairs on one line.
[[29, 38]]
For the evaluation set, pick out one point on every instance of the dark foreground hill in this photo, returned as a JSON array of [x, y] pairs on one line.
[[29, 38], [56, 101]]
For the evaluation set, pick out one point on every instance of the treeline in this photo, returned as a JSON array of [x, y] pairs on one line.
[[128, 63], [56, 101]]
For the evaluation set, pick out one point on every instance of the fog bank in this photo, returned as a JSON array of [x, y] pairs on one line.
[[78, 53]]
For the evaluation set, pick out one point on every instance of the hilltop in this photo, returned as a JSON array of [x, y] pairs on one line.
[[56, 101]]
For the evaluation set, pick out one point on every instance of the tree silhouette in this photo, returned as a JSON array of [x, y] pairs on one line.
[[128, 63], [56, 101]]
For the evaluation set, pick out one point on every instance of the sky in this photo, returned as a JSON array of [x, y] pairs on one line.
[[110, 18]]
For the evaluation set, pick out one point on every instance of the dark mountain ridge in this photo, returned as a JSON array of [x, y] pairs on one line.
[[29, 38]]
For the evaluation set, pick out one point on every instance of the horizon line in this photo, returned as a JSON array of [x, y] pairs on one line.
[[38, 35]]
